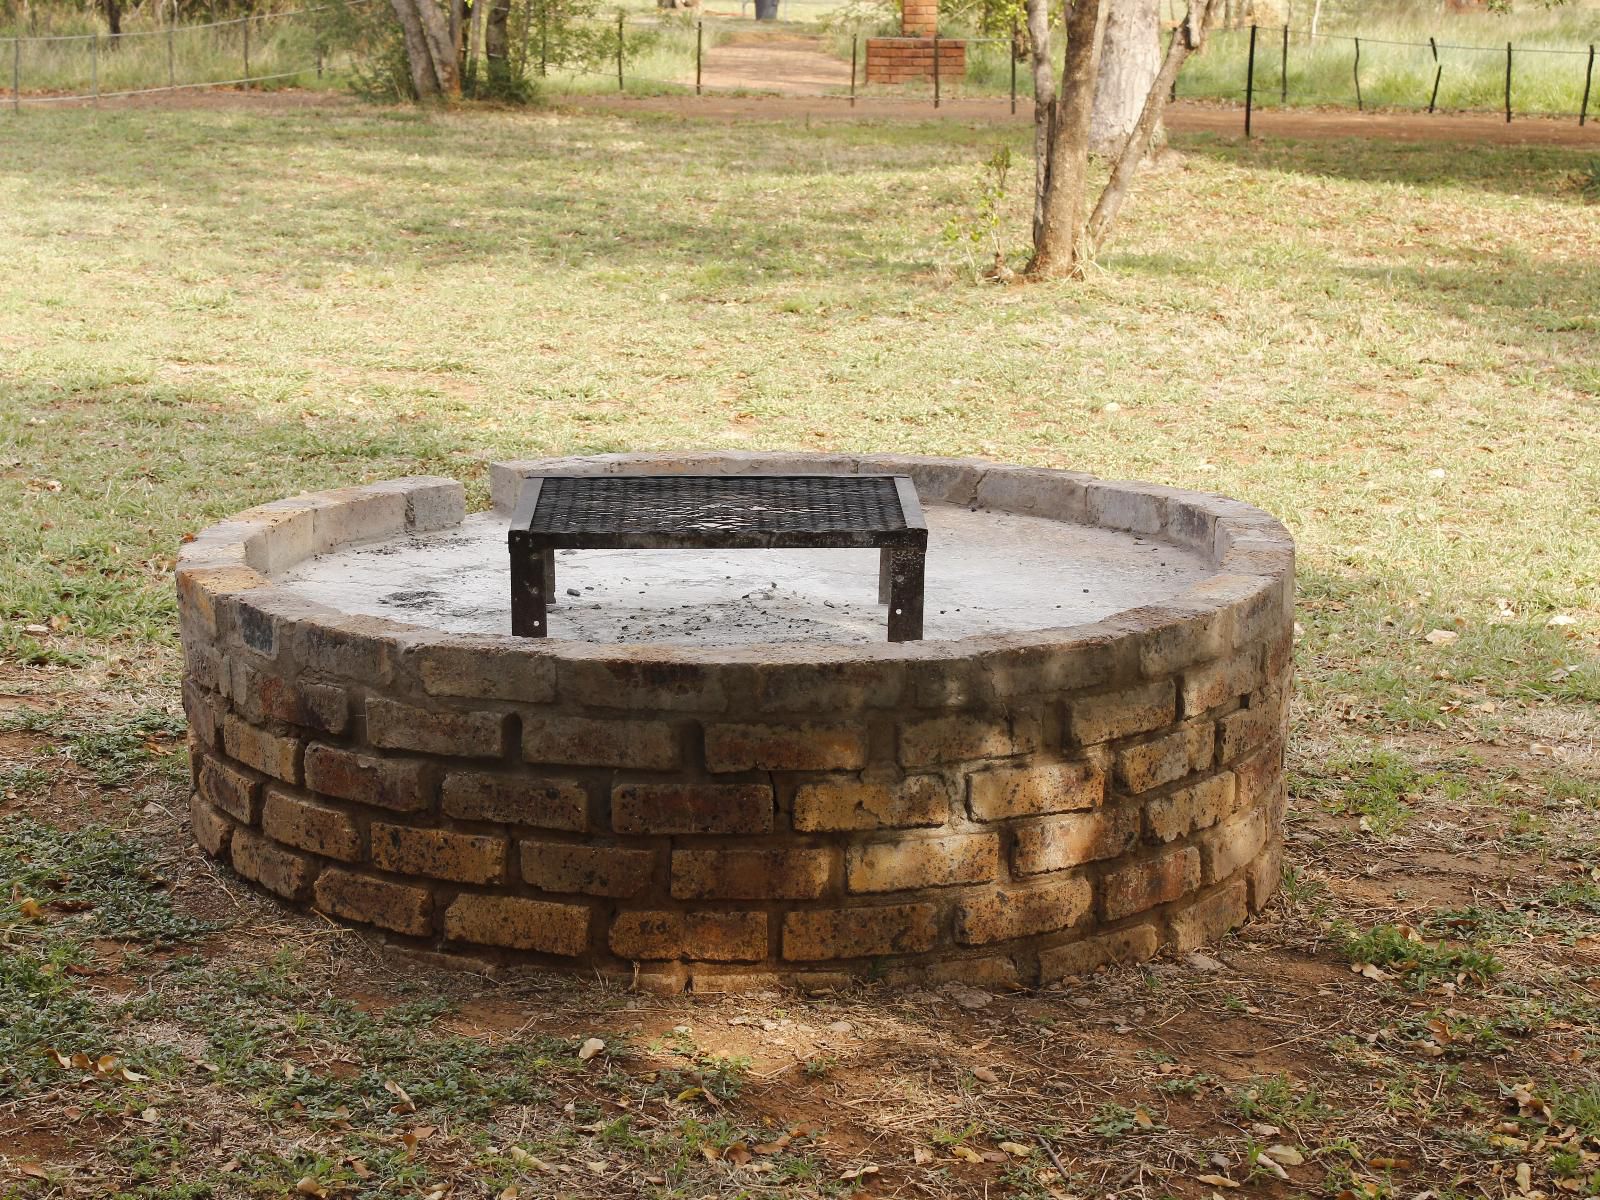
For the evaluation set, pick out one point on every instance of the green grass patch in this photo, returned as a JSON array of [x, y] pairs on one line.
[[1420, 963]]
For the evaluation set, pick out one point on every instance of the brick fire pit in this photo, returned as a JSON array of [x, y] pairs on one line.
[[999, 807]]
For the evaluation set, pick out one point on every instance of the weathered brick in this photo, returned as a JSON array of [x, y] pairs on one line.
[[212, 829], [712, 981], [1122, 714], [397, 784], [396, 726], [485, 669], [1134, 944], [1184, 632], [1002, 913], [725, 936], [266, 752], [924, 862], [1240, 732], [1196, 807], [269, 864], [592, 870], [1265, 874], [1231, 845], [1005, 792], [1142, 885], [235, 792], [750, 874], [516, 800], [264, 696], [818, 934], [647, 935], [639, 684], [432, 501], [1207, 919], [1072, 839], [302, 822], [826, 688], [380, 902], [805, 747], [1260, 776], [919, 800], [1131, 506], [1150, 764], [964, 737], [1220, 682], [584, 741], [206, 712], [519, 924], [355, 514], [462, 857], [692, 808], [362, 649]]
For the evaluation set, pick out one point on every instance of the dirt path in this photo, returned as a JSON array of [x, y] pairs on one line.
[[790, 65]]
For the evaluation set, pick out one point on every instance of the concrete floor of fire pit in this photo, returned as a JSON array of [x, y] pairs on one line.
[[987, 572]]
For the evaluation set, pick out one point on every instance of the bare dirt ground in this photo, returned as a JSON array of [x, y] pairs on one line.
[[789, 65]]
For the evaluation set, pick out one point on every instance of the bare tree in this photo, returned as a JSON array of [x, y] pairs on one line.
[[1066, 233], [429, 50], [1129, 62]]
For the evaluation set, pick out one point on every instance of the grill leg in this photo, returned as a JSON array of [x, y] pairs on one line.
[[883, 574], [550, 577], [905, 593], [529, 591]]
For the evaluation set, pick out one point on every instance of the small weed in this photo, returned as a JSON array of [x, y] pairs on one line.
[[1277, 1100], [1417, 961], [1375, 785]]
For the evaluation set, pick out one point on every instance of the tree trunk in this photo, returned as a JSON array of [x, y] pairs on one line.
[[1128, 66], [114, 17], [1059, 247], [497, 43], [1044, 107], [428, 50]]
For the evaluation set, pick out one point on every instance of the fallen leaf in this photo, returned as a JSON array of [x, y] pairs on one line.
[[776, 1146], [1016, 1149], [32, 1170], [1287, 1155], [310, 1187], [738, 1154], [405, 1105], [1440, 637], [150, 1117], [412, 1136], [61, 1060], [29, 908], [690, 1093], [858, 1172], [1524, 1178], [986, 1074], [1142, 1119], [589, 1049], [921, 1155], [966, 1153], [1221, 1181], [511, 1193]]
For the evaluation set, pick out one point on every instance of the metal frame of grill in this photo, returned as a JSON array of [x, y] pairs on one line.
[[718, 512]]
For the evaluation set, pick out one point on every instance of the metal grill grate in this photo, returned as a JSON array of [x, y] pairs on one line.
[[671, 504]]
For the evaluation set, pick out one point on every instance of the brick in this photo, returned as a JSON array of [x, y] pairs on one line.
[[1207, 919], [1125, 713], [1265, 875], [750, 874], [1143, 885], [647, 935], [1134, 944], [372, 901], [714, 982], [1231, 845], [805, 747], [1072, 839], [1200, 806], [395, 726], [583, 741], [263, 696], [1128, 506], [672, 808], [518, 924], [308, 825], [516, 800], [484, 669], [355, 514], [266, 752], [592, 870], [432, 501], [1150, 764], [206, 712], [1240, 732], [235, 792], [1221, 682], [393, 783], [212, 829], [1260, 776], [462, 857], [286, 526], [920, 800], [828, 687], [725, 936], [362, 649], [278, 870], [1003, 913], [965, 737], [924, 862], [1006, 792], [818, 934], [640, 684]]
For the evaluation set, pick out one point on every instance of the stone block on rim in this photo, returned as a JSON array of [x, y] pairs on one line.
[[806, 747], [518, 924], [395, 726], [692, 807]]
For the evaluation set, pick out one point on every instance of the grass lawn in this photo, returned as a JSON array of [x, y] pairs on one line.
[[1396, 348]]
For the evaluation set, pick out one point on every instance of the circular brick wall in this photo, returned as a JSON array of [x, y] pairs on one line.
[[998, 809]]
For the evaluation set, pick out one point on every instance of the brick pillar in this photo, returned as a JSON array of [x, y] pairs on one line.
[[920, 18]]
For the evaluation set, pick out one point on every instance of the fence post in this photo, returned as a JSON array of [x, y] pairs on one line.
[[1438, 73], [1359, 106], [1588, 78], [246, 28], [94, 65], [1250, 82], [1013, 68], [1283, 71], [699, 51], [855, 41], [1508, 83], [620, 18], [172, 50], [16, 74], [936, 68], [544, 39]]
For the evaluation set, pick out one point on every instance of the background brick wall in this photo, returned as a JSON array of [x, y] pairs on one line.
[[1005, 808], [904, 59]]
